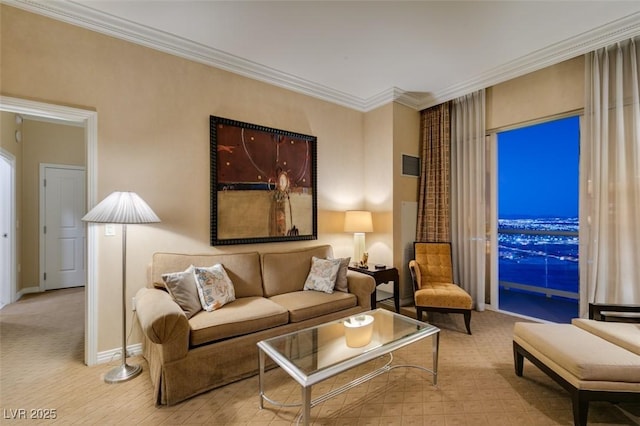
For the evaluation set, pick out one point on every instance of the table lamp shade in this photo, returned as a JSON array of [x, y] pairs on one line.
[[358, 221], [122, 207]]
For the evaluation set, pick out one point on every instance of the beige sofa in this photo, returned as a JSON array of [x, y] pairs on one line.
[[190, 356], [593, 360]]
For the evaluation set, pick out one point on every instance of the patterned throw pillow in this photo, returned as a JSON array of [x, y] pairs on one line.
[[182, 287], [322, 276], [214, 287], [341, 279]]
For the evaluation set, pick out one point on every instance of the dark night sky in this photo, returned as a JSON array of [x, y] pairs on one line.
[[538, 170]]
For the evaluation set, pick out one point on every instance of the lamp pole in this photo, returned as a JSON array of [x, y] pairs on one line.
[[125, 371]]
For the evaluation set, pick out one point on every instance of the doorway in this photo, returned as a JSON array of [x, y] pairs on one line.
[[62, 233], [88, 120]]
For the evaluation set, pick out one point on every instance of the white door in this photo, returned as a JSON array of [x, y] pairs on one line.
[[6, 233], [63, 231]]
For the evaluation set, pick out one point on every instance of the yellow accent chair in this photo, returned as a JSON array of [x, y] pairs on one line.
[[434, 289]]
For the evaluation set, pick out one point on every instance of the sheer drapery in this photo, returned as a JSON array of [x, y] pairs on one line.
[[468, 200], [610, 177], [433, 198]]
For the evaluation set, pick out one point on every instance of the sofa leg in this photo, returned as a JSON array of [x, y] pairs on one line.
[[467, 321]]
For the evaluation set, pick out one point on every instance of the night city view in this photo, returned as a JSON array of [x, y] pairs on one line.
[[543, 260], [538, 220]]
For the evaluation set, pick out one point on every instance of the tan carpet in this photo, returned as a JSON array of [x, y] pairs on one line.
[[41, 341]]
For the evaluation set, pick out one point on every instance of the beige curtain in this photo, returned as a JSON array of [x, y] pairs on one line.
[[468, 200], [610, 177], [433, 198]]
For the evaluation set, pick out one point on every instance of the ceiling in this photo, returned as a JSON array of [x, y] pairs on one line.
[[362, 54]]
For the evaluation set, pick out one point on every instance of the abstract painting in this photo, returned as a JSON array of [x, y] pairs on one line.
[[263, 184]]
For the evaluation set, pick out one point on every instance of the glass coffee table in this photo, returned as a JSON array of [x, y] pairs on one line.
[[317, 353]]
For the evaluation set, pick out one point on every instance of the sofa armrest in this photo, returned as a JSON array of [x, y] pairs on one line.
[[163, 322], [362, 285]]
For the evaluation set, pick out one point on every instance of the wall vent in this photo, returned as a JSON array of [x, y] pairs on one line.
[[410, 165]]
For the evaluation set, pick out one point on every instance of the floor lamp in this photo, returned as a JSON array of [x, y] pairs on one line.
[[124, 208]]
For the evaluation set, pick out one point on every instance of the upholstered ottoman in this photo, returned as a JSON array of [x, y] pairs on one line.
[[594, 361]]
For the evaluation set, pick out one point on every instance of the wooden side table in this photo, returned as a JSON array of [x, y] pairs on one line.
[[383, 276]]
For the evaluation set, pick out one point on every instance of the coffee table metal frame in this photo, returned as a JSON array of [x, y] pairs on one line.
[[306, 381]]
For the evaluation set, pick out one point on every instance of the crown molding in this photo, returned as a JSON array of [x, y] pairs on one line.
[[409, 99], [86, 17]]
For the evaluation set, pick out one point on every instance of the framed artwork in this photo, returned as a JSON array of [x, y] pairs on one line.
[[263, 184]]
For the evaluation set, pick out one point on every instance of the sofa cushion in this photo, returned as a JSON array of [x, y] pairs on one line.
[[182, 287], [242, 268], [323, 274], [215, 289], [285, 272], [341, 279], [242, 316], [626, 335], [584, 355], [303, 305], [443, 295]]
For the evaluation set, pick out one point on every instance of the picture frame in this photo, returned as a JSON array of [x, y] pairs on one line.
[[263, 184]]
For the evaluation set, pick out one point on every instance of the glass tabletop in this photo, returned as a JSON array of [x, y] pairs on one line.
[[344, 343]]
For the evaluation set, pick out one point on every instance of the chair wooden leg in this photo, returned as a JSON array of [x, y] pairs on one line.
[[467, 321], [419, 313]]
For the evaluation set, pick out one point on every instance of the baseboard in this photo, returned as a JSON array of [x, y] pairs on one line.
[[114, 354], [28, 290]]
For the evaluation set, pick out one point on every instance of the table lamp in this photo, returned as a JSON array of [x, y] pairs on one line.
[[358, 222]]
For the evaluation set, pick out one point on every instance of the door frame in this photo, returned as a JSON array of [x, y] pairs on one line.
[[10, 159], [494, 260], [89, 120], [43, 213]]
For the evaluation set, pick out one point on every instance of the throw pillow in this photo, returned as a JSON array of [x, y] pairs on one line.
[[214, 287], [322, 276], [182, 287], [341, 279]]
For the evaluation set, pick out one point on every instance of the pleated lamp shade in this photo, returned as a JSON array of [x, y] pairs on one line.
[[122, 207]]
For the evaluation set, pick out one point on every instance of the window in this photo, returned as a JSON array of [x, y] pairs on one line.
[[538, 220]]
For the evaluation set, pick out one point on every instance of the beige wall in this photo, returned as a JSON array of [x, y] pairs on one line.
[[389, 131], [406, 140], [42, 142], [554, 90], [153, 138], [377, 182]]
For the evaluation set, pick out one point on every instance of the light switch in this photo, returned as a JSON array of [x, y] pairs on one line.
[[109, 230]]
